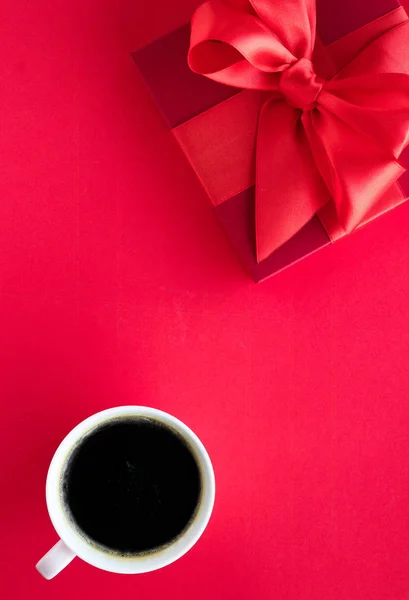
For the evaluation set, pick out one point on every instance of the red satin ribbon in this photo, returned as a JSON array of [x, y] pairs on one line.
[[319, 141]]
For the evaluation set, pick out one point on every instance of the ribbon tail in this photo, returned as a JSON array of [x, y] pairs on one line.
[[329, 218], [289, 188], [358, 172]]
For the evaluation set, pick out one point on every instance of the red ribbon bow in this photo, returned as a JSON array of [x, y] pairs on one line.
[[318, 140]]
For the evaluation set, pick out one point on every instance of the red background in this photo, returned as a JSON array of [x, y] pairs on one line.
[[117, 286]]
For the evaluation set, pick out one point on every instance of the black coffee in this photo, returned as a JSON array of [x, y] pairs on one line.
[[132, 486]]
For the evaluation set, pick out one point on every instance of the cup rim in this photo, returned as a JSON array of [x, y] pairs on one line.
[[97, 556]]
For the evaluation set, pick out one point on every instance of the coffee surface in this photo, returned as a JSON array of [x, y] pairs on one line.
[[132, 486]]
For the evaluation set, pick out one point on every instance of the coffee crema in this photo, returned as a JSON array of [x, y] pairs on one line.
[[132, 486]]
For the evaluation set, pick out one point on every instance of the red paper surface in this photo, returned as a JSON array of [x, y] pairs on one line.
[[118, 287]]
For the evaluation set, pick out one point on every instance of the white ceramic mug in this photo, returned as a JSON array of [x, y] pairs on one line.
[[72, 543]]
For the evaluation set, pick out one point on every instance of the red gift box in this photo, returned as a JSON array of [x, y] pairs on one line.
[[216, 126]]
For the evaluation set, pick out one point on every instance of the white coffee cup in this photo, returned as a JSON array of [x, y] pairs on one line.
[[72, 543]]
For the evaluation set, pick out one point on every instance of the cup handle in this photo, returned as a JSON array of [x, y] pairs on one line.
[[55, 560]]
